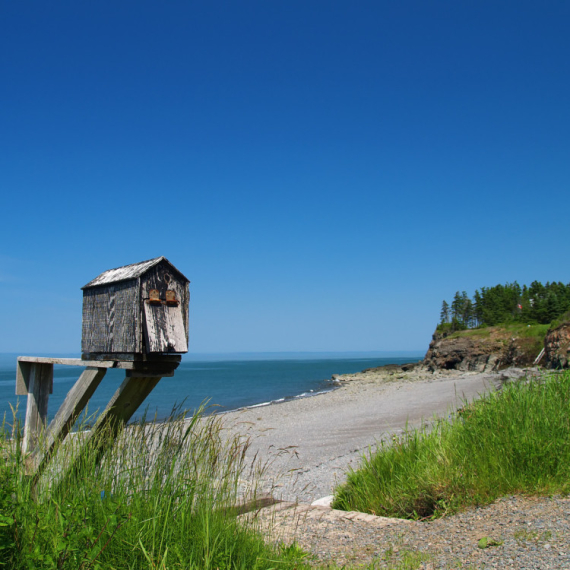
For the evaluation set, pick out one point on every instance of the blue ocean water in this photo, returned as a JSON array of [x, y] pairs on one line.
[[227, 382]]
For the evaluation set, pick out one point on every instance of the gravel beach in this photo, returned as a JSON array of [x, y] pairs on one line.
[[309, 443], [523, 533]]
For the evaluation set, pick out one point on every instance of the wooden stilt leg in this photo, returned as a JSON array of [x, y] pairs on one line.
[[126, 400], [34, 378], [74, 403], [124, 403], [39, 386]]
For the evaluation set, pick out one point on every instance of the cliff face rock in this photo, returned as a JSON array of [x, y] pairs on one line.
[[463, 353], [493, 349], [557, 347]]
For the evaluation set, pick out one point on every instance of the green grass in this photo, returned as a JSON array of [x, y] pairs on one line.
[[512, 329], [562, 319], [530, 331], [161, 498], [483, 332], [513, 441], [163, 495]]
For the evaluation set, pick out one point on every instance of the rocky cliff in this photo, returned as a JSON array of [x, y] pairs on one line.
[[557, 347], [482, 350]]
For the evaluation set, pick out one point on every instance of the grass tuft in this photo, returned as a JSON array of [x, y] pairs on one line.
[[160, 497], [512, 441]]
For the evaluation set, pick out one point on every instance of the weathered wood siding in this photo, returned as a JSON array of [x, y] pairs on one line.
[[117, 320], [162, 277], [111, 318], [164, 329]]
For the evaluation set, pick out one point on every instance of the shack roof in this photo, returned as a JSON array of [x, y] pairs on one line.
[[127, 272]]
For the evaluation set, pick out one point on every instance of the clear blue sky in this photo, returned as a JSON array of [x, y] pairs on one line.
[[324, 172]]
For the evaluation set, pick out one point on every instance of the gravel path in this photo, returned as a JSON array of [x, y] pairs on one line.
[[529, 533]]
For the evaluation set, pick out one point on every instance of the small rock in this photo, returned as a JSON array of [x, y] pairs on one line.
[[323, 501]]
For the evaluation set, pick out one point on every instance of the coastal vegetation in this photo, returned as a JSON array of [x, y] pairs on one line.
[[163, 496], [506, 304], [508, 442], [504, 325]]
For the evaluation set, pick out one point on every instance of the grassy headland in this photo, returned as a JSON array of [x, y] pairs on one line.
[[525, 340], [534, 331]]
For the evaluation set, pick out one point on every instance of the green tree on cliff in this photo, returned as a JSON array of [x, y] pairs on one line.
[[444, 314], [508, 303], [457, 307], [468, 315]]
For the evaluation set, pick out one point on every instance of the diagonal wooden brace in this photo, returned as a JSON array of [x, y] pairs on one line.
[[74, 403], [35, 378], [124, 403], [126, 400]]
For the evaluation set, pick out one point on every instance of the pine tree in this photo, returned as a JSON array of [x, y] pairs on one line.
[[503, 304], [457, 307], [468, 315], [477, 308], [444, 315], [552, 307]]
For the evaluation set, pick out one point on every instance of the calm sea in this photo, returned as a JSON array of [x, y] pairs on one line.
[[226, 381]]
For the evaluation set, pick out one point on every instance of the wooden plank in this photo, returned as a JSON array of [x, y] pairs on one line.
[[68, 412], [22, 377], [129, 361], [185, 307], [164, 329], [126, 400], [539, 357], [124, 357], [162, 277], [156, 358], [40, 385], [162, 373], [159, 360], [110, 315], [68, 361]]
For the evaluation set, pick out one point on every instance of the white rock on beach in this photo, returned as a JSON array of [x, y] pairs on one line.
[[323, 502]]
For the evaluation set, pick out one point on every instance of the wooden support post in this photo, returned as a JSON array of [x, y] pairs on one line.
[[38, 381], [124, 403], [35, 378], [74, 403]]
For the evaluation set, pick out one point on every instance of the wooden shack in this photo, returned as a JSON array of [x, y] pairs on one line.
[[136, 310]]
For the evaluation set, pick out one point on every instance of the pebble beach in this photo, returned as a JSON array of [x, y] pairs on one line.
[[309, 444]]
